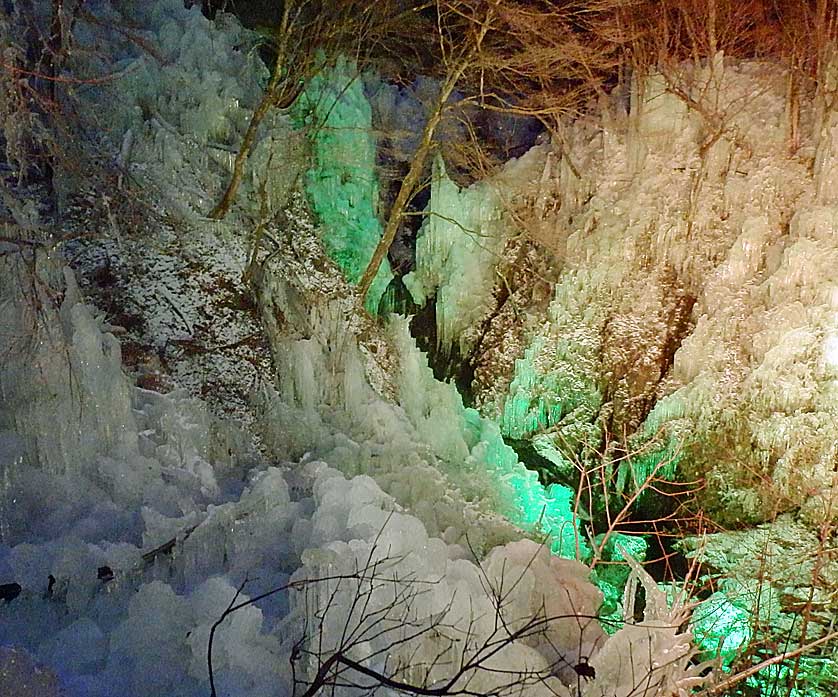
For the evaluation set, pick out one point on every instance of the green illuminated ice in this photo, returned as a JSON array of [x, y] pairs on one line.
[[552, 386], [341, 184], [436, 410], [721, 628]]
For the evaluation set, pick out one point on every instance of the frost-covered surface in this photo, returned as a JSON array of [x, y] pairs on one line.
[[130, 518], [766, 573], [179, 98], [181, 308], [696, 305]]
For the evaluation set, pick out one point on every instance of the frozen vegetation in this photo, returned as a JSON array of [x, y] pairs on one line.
[[176, 443]]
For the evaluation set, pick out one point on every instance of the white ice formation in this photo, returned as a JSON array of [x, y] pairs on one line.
[[696, 304], [131, 518]]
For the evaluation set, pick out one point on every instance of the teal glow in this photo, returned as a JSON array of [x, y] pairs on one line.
[[611, 612], [721, 628], [341, 184], [611, 574], [744, 613], [544, 511], [539, 399], [613, 568], [816, 677]]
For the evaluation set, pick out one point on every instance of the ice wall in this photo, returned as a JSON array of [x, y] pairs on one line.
[[754, 377], [58, 434], [694, 314], [179, 101], [75, 427], [96, 472], [459, 246], [155, 113], [342, 183], [163, 131]]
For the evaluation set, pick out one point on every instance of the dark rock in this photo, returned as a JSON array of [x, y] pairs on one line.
[[9, 591]]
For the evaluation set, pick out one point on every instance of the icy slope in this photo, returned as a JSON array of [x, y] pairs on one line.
[[363, 399], [127, 550]]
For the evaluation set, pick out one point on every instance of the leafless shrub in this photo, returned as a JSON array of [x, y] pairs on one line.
[[361, 633]]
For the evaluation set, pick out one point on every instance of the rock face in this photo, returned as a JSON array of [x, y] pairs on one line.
[[693, 316]]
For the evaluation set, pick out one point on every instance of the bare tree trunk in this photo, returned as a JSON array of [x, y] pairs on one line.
[[223, 206], [269, 99], [411, 180]]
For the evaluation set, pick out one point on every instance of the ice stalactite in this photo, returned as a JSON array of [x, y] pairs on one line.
[[456, 253], [459, 249]]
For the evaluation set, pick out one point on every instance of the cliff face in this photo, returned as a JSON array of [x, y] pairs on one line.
[[189, 405], [170, 434], [693, 240]]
